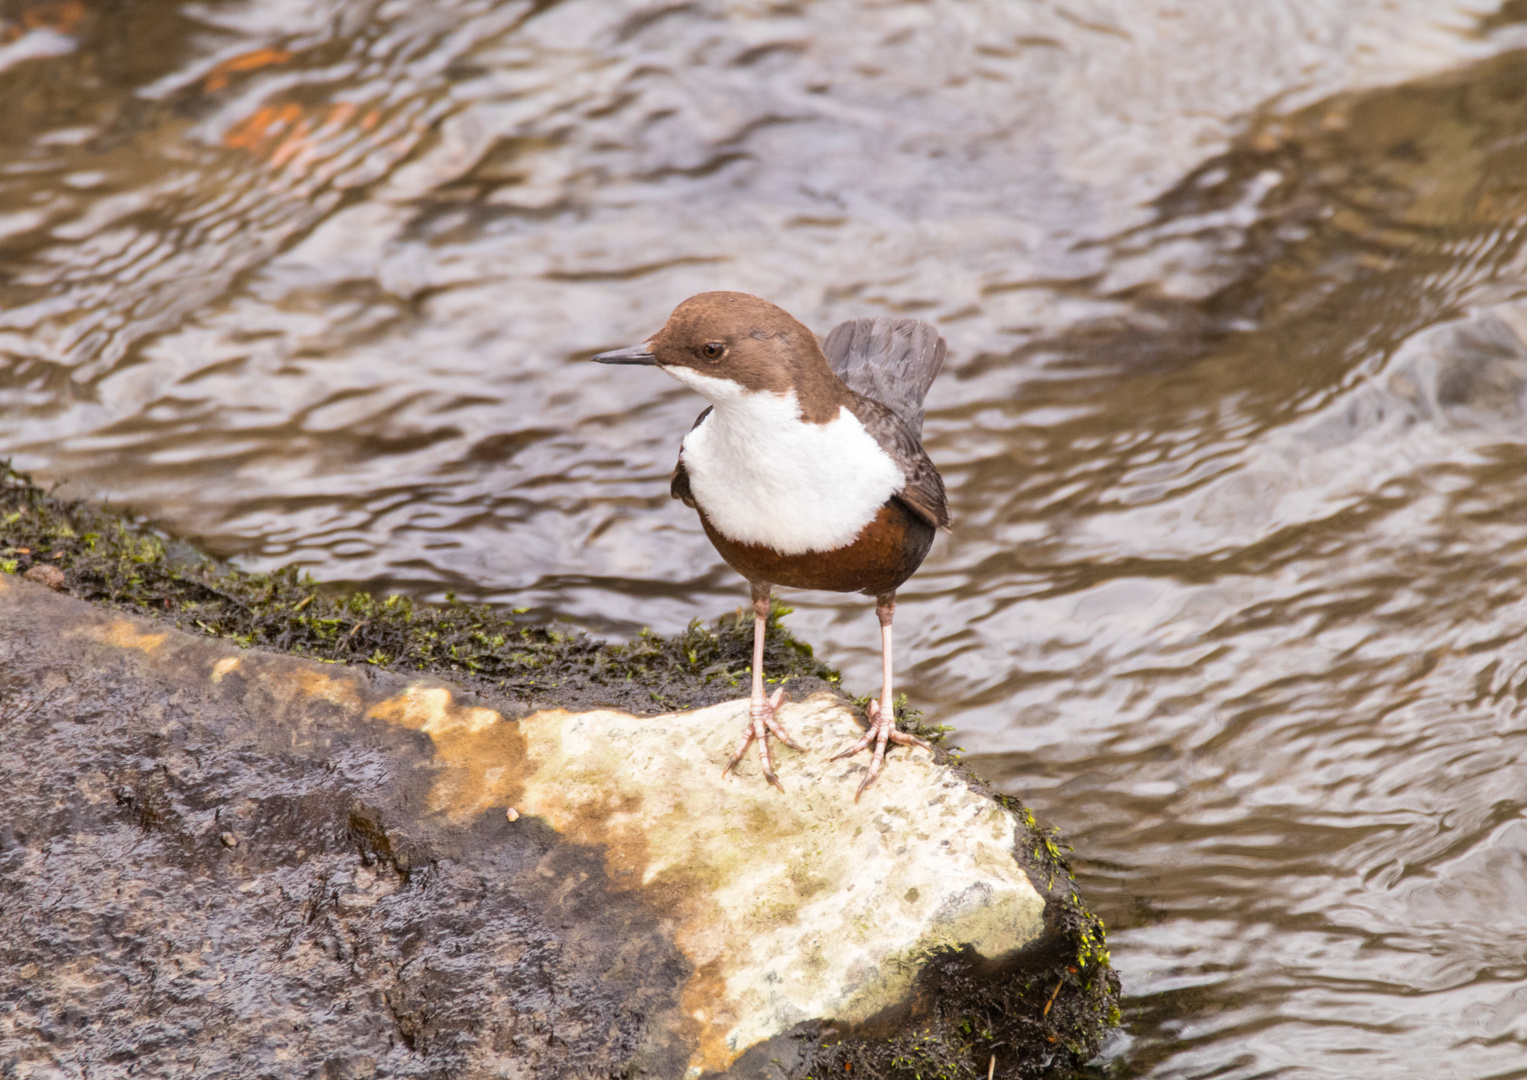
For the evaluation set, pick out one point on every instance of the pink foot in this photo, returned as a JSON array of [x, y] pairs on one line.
[[882, 730], [761, 722]]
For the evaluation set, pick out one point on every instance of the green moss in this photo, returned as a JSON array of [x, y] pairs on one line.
[[117, 561], [1048, 854]]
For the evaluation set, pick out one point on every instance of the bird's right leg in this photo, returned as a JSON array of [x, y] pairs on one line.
[[761, 709], [882, 715]]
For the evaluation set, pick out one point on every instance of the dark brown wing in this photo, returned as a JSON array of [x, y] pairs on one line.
[[679, 488], [923, 493], [892, 361]]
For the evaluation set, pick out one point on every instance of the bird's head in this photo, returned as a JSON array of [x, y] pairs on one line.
[[728, 344]]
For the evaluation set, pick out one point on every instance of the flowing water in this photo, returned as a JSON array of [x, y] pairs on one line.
[[1234, 425]]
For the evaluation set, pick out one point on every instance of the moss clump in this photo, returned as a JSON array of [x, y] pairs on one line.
[[123, 563]]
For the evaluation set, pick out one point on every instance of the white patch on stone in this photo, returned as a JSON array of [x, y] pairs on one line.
[[764, 476], [796, 906]]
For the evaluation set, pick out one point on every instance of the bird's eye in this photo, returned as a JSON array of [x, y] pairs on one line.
[[712, 350]]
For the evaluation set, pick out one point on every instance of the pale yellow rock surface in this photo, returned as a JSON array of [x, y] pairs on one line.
[[791, 906]]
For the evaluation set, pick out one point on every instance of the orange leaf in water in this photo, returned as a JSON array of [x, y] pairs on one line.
[[217, 78], [257, 132]]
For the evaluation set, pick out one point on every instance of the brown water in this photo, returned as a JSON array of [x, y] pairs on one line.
[[1235, 424]]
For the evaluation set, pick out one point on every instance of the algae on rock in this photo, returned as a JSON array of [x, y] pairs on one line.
[[122, 562]]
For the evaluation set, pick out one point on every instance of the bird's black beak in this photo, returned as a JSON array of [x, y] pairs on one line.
[[634, 354]]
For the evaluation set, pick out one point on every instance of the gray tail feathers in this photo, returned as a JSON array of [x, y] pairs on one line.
[[892, 361]]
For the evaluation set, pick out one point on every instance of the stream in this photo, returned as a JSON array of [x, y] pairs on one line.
[[1234, 423]]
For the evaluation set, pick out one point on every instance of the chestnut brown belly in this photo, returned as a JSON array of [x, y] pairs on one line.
[[884, 555]]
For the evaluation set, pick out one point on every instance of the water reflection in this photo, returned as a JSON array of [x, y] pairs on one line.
[[1233, 425]]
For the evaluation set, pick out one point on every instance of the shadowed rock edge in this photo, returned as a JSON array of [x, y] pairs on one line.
[[1049, 1013]]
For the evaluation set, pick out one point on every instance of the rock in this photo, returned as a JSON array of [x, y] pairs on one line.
[[214, 859], [46, 574], [790, 908]]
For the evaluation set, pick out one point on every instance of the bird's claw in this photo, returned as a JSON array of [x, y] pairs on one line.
[[882, 730], [761, 723]]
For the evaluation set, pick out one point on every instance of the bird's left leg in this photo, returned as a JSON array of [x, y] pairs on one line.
[[761, 709], [882, 714]]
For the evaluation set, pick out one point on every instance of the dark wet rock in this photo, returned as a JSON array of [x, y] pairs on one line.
[[342, 927], [225, 862]]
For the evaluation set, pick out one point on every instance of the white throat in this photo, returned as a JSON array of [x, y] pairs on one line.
[[765, 476]]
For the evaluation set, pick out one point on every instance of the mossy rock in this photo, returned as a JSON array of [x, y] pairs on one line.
[[1044, 1020], [117, 560]]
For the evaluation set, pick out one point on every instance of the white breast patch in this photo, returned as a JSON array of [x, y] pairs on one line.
[[765, 476]]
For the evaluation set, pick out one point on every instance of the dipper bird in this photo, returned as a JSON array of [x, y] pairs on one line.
[[808, 468]]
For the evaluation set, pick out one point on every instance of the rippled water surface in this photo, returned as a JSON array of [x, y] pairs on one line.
[[1235, 423]]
